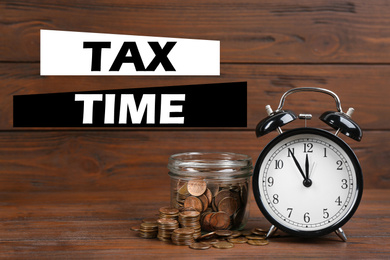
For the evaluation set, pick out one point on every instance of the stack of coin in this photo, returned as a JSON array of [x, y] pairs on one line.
[[165, 228], [169, 212], [148, 230], [190, 219], [183, 236]]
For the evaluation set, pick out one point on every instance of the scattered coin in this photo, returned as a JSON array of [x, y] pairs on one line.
[[238, 240], [235, 233], [200, 246], [135, 228], [261, 242], [206, 236], [259, 231], [223, 245], [223, 233], [254, 237]]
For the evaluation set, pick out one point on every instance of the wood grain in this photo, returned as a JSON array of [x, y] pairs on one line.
[[137, 160], [97, 225], [363, 87], [250, 31]]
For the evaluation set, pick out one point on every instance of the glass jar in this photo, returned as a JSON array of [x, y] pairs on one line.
[[214, 184]]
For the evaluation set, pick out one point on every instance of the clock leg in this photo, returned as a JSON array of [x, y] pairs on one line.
[[340, 233], [271, 231]]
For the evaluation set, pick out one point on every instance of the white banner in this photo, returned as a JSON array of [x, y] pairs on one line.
[[82, 53]]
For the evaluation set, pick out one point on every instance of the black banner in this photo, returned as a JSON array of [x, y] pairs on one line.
[[207, 105]]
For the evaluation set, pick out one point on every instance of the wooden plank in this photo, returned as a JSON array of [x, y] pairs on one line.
[[251, 31], [97, 225], [363, 87], [137, 160]]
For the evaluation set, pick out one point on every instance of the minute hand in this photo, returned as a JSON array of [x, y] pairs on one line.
[[299, 167]]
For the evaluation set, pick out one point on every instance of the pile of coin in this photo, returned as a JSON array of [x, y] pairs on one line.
[[165, 228], [168, 212], [190, 219], [183, 236], [224, 239], [224, 203], [148, 230]]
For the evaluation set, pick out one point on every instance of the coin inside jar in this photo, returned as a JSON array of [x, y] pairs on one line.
[[193, 202], [196, 187]]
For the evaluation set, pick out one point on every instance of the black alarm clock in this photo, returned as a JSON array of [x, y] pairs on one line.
[[307, 181]]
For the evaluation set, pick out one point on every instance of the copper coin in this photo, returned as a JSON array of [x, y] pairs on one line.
[[246, 232], [262, 242], [149, 220], [167, 221], [214, 188], [259, 231], [206, 225], [235, 234], [254, 237], [196, 187], [221, 195], [184, 231], [205, 201], [148, 226], [169, 210], [183, 190], [223, 245], [193, 202], [190, 214], [209, 196], [206, 236], [200, 246], [219, 221], [135, 228], [228, 205], [223, 233], [238, 240]]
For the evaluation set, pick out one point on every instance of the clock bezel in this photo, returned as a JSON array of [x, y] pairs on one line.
[[343, 145]]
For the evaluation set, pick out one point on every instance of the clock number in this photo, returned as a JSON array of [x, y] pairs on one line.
[[276, 199], [307, 147], [325, 213], [325, 152], [339, 164], [306, 217], [345, 185], [278, 164], [338, 201], [289, 209], [270, 181]]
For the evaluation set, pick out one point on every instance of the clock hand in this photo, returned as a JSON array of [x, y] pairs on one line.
[[299, 167], [307, 166]]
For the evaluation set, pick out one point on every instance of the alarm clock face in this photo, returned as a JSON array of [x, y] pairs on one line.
[[307, 182]]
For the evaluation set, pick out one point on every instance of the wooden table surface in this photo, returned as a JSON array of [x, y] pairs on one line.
[[42, 225]]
